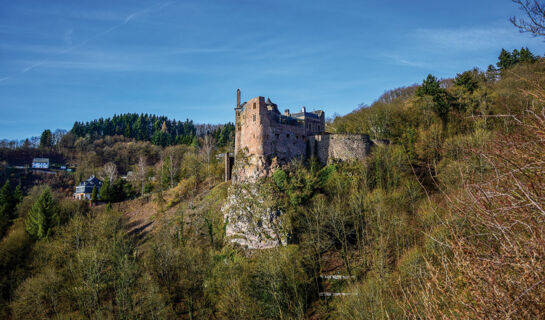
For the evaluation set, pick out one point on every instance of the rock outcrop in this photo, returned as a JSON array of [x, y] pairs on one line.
[[251, 220]]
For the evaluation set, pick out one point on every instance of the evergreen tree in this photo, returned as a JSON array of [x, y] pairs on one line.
[[105, 191], [6, 196], [8, 204], [42, 216], [46, 139], [115, 191], [526, 56], [18, 194], [515, 57], [140, 129], [491, 73], [431, 87], [468, 80], [127, 132], [94, 194], [160, 138], [6, 210], [505, 60]]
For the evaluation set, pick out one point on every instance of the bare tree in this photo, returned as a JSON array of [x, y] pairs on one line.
[[57, 137], [110, 171], [316, 237], [535, 13], [207, 148], [141, 172], [378, 122], [35, 141], [172, 164]]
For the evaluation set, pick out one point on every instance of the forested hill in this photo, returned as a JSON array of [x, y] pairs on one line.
[[412, 115], [159, 130]]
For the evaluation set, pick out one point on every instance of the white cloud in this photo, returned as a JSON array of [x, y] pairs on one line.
[[468, 39]]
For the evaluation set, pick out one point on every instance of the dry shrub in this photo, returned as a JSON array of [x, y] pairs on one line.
[[495, 265]]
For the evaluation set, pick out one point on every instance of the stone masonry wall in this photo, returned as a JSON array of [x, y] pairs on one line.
[[262, 136], [344, 147]]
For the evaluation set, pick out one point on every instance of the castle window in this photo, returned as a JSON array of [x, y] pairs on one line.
[[287, 135], [254, 105], [254, 117], [277, 136]]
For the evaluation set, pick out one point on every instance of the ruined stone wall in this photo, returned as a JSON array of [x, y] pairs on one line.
[[262, 143], [344, 147], [283, 141], [259, 134]]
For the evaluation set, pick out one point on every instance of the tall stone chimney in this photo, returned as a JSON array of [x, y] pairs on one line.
[[238, 98], [287, 112], [303, 109]]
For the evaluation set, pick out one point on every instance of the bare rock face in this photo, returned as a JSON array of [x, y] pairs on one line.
[[251, 221], [251, 168]]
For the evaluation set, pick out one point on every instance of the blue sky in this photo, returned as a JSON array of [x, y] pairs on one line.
[[62, 61]]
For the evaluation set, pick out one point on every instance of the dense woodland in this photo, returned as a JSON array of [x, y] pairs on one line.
[[159, 130], [446, 221]]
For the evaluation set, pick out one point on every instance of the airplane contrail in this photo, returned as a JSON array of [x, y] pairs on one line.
[[128, 18]]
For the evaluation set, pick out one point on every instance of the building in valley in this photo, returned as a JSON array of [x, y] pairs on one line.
[[84, 189]]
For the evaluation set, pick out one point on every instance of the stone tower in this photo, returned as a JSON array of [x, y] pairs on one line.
[[238, 125]]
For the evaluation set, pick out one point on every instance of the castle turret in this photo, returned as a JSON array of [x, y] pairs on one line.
[[238, 124]]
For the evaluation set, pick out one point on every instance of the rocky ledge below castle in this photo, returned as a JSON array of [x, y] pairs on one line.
[[252, 221]]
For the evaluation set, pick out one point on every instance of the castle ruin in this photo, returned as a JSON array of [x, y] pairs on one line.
[[265, 139]]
